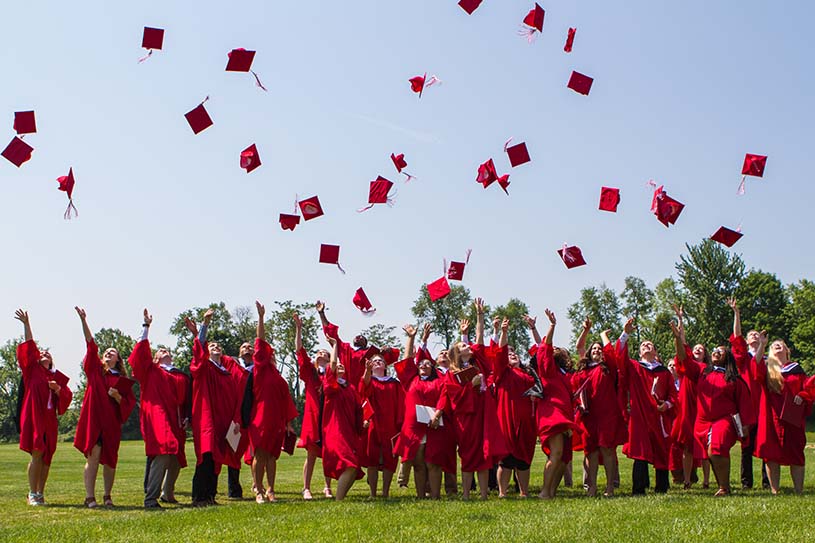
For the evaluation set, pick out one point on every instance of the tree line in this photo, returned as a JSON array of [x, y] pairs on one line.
[[705, 277]]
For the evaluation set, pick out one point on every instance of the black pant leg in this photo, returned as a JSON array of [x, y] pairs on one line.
[[147, 472], [639, 477], [747, 461], [203, 487], [234, 483], [663, 481]]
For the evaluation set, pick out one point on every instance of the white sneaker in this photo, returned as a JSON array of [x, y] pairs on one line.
[[32, 499], [306, 494], [260, 498]]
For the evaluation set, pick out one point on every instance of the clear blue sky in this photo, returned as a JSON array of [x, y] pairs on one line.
[[168, 220]]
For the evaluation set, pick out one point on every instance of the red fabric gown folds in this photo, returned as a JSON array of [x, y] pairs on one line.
[[342, 426], [273, 407], [554, 414], [388, 402], [601, 421], [313, 380], [516, 412]]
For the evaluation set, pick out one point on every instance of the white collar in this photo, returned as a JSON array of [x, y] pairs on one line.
[[649, 365]]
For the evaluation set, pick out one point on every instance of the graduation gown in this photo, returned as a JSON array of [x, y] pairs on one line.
[[101, 417], [601, 423], [516, 412], [350, 357], [387, 399], [273, 406], [217, 394], [554, 414], [41, 405], [166, 399], [313, 381], [342, 428]]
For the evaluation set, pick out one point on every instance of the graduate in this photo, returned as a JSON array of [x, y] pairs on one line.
[[312, 373], [428, 450], [386, 399], [107, 404], [652, 396], [724, 409], [781, 436], [512, 383], [273, 411], [554, 414], [350, 357], [46, 395], [342, 426], [218, 384], [599, 417], [164, 416]]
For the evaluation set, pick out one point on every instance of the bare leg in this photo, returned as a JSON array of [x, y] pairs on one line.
[[373, 479], [34, 469], [271, 475], [687, 467], [420, 473], [91, 470], [774, 475], [721, 470], [523, 482], [484, 483], [466, 484], [44, 469], [503, 480], [387, 478], [610, 466], [258, 468], [434, 476], [108, 474], [591, 479], [797, 474], [308, 469], [553, 469], [705, 473], [345, 482]]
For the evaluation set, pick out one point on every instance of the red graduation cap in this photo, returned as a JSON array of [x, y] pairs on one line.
[[24, 122], [726, 236], [378, 193], [569, 40], [330, 254], [665, 208], [609, 199], [153, 38], [66, 184], [250, 159], [456, 270], [469, 5], [518, 154], [753, 166], [367, 410], [288, 222], [399, 162], [438, 289], [199, 118], [503, 182], [533, 22], [388, 354], [240, 60], [580, 83], [487, 174], [310, 207], [59, 378], [420, 82], [362, 302], [571, 256], [17, 152]]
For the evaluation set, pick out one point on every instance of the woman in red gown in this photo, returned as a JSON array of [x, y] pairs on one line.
[[46, 395], [311, 433], [342, 425], [107, 403], [273, 411]]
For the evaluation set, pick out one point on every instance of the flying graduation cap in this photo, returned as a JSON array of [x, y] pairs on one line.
[[569, 40], [487, 175], [726, 236], [469, 5], [438, 289], [24, 122], [362, 303], [240, 60], [66, 184], [152, 38], [580, 83], [311, 208], [533, 22], [378, 193], [753, 166], [250, 159], [455, 271], [330, 254], [665, 208], [400, 164], [609, 199], [571, 256], [198, 118], [420, 82], [17, 152], [518, 154]]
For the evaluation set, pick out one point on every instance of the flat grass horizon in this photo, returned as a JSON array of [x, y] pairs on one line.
[[680, 515]]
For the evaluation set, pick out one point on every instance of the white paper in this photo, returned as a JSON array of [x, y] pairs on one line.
[[233, 435], [425, 413]]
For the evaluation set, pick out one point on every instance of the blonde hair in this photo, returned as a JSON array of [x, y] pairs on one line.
[[775, 379], [454, 357]]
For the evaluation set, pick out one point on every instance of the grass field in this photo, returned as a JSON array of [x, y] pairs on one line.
[[678, 516]]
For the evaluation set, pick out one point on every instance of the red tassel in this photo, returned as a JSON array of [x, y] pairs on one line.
[[741, 190]]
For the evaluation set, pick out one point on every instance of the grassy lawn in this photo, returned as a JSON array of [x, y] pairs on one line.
[[678, 516]]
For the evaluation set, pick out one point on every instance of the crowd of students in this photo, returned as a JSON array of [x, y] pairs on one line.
[[474, 399]]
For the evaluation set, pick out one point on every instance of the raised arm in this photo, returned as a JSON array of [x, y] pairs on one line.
[[83, 317], [320, 307], [531, 322], [464, 328], [410, 330], [552, 323], [604, 337], [736, 316], [761, 350], [581, 339], [479, 321], [22, 316], [298, 332], [261, 331], [504, 337], [334, 354], [202, 334]]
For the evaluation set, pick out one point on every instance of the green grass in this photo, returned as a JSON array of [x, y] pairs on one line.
[[678, 516]]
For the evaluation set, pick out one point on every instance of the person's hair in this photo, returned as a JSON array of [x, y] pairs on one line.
[[775, 379], [360, 341], [706, 358], [454, 356], [728, 362], [120, 363], [562, 358], [585, 360]]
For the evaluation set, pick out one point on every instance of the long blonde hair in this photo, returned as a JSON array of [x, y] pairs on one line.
[[775, 379]]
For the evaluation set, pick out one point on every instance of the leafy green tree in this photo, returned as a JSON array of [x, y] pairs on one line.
[[381, 336], [221, 329], [10, 376], [709, 274], [638, 302], [444, 315], [518, 333], [801, 318], [281, 325], [601, 305], [763, 303]]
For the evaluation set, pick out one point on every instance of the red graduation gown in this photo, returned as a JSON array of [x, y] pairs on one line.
[[311, 432], [217, 395], [350, 357], [101, 417], [682, 432], [342, 426], [273, 407], [516, 413], [554, 414], [388, 402], [38, 415], [165, 403]]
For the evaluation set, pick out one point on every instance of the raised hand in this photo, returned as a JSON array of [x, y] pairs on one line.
[[679, 311], [675, 329], [80, 312], [464, 325], [21, 316], [298, 323], [732, 303], [208, 316], [587, 324], [530, 321], [261, 309], [479, 306], [629, 326], [496, 323], [426, 332], [410, 330], [319, 306], [331, 341], [148, 318], [551, 316], [505, 324], [191, 326]]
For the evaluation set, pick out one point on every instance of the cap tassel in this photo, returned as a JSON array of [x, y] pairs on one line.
[[506, 144], [367, 312], [257, 81], [432, 81], [741, 190], [145, 57], [528, 33], [364, 209], [567, 256], [408, 177], [340, 268], [70, 210], [467, 256]]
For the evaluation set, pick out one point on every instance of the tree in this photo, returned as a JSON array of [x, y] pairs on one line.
[[228, 330], [667, 293], [801, 318], [10, 376], [601, 305], [381, 335], [444, 315], [763, 303], [638, 303], [281, 326], [709, 274], [518, 333]]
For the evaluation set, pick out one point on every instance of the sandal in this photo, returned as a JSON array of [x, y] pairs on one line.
[[108, 501], [270, 496], [90, 503], [327, 492], [32, 499], [259, 498], [307, 494]]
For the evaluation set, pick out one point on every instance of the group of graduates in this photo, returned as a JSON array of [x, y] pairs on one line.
[[476, 399]]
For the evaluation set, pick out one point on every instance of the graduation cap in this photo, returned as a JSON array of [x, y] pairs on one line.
[[389, 354], [66, 184], [17, 152], [665, 208], [438, 289], [153, 38], [378, 193], [533, 22], [580, 83], [420, 82], [609, 199], [569, 40], [753, 166], [310, 207], [456, 270], [399, 162], [198, 118], [59, 378], [250, 159], [362, 302], [726, 236], [487, 176], [288, 222], [469, 5], [517, 154], [240, 60], [330, 254], [24, 122], [571, 256], [367, 410]]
